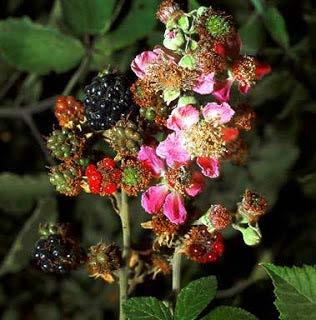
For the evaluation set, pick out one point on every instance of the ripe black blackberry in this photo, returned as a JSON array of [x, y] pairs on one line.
[[107, 100], [55, 253]]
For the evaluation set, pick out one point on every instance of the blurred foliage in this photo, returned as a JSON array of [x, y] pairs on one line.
[[41, 45]]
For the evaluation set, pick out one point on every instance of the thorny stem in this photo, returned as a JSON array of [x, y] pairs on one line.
[[176, 273], [126, 232]]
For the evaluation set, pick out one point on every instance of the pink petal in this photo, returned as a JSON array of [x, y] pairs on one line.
[[205, 84], [221, 112], [172, 150], [222, 90], [142, 61], [182, 118], [151, 160], [154, 198], [197, 184], [174, 209], [209, 166]]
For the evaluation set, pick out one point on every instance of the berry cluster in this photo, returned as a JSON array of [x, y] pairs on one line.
[[162, 137], [56, 251], [107, 100]]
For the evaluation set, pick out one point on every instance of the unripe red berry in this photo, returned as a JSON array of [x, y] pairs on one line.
[[94, 178], [108, 163], [109, 188]]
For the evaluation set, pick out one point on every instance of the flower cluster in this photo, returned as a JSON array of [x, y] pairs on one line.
[[164, 135]]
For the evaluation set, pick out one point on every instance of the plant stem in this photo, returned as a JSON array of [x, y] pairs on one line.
[[123, 274], [176, 273], [77, 75]]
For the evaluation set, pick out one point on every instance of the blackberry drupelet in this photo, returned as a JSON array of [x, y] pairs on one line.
[[57, 254], [107, 100]]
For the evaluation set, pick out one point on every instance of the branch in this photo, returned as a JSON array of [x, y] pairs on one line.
[[15, 112]]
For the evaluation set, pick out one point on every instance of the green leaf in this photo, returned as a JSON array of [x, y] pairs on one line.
[[20, 252], [138, 24], [229, 313], [252, 35], [193, 5], [273, 158], [259, 5], [275, 23], [194, 298], [35, 48], [18, 193], [146, 308], [87, 16], [295, 290]]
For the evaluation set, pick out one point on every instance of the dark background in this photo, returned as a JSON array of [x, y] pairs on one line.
[[281, 166]]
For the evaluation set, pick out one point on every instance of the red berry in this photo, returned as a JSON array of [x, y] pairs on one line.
[[94, 178], [218, 247], [108, 163], [219, 48], [109, 188], [230, 134], [117, 174]]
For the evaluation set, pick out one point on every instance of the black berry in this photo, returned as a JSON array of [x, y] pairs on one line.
[[107, 100]]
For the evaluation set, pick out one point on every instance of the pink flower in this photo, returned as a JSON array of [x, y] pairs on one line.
[[158, 198], [222, 90], [172, 150], [174, 208], [209, 166], [142, 61], [183, 117], [205, 84], [154, 198], [220, 112], [164, 198], [151, 160], [197, 184]]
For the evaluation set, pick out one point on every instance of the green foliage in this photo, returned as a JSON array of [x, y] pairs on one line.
[[252, 34], [194, 298], [295, 291], [138, 24], [146, 309], [88, 16], [191, 301], [20, 252], [275, 23], [35, 48], [229, 313], [18, 193]]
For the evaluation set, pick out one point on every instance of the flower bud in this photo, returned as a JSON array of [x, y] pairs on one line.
[[173, 39], [187, 62], [187, 100]]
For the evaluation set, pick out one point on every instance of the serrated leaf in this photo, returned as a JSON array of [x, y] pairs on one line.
[[252, 35], [35, 48], [18, 193], [194, 298], [20, 252], [229, 313], [87, 16], [295, 290], [138, 24], [275, 23], [146, 308]]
